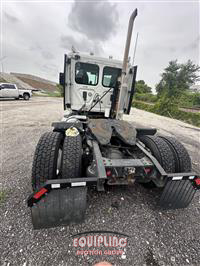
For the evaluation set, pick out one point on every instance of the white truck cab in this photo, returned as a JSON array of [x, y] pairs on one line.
[[91, 82], [8, 90]]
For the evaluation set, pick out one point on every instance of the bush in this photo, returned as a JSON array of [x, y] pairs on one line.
[[165, 106], [169, 108], [146, 97], [196, 99], [143, 106], [189, 99]]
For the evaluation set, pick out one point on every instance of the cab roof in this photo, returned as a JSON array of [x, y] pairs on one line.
[[95, 59]]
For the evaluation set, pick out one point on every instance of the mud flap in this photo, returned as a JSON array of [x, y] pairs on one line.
[[60, 207], [177, 194]]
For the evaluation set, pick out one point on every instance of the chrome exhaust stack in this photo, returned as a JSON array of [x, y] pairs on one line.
[[123, 87]]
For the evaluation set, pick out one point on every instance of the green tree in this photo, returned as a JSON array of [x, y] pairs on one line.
[[177, 78], [142, 87]]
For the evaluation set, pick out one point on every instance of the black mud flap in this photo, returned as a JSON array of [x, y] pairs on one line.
[[177, 194], [60, 207]]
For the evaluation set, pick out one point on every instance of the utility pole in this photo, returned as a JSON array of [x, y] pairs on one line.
[[1, 60]]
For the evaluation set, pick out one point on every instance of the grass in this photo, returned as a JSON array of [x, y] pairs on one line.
[[2, 196], [146, 97], [2, 80], [48, 94], [167, 108]]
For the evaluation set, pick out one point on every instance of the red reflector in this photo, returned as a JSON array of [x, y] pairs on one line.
[[108, 173], [197, 181], [147, 170], [40, 193]]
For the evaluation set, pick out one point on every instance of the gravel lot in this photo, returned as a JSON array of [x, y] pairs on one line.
[[155, 237]]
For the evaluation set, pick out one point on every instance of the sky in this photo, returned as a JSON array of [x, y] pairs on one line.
[[35, 35]]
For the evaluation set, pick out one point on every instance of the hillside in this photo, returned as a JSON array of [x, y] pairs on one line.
[[5, 77], [28, 81], [36, 82]]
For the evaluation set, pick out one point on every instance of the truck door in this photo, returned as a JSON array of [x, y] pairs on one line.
[[110, 77], [86, 79], [10, 91]]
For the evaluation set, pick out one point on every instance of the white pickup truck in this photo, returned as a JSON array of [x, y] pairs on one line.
[[8, 90]]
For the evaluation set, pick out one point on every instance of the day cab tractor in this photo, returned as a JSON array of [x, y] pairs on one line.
[[94, 146]]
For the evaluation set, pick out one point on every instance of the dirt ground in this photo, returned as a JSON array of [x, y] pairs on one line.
[[156, 237]]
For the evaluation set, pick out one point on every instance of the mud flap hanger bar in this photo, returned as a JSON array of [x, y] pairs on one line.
[[186, 176], [74, 182], [59, 183]]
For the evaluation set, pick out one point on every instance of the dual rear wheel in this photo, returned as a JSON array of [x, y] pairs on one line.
[[174, 158], [58, 156]]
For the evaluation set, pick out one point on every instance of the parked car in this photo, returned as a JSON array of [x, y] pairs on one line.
[[8, 90]]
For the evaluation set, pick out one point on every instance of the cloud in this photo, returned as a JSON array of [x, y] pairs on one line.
[[165, 30], [51, 69], [92, 23], [47, 55], [192, 45], [97, 20], [44, 53], [81, 44], [11, 18]]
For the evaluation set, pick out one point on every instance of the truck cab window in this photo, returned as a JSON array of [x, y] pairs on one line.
[[110, 76], [87, 74]]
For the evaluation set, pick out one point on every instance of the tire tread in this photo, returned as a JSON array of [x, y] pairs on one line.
[[45, 158], [71, 158]]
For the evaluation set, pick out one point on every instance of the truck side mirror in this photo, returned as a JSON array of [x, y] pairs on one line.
[[61, 79]]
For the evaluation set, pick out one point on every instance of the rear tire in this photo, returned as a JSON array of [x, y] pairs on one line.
[[178, 193], [72, 157], [46, 158], [161, 151], [60, 206], [26, 96], [181, 156]]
